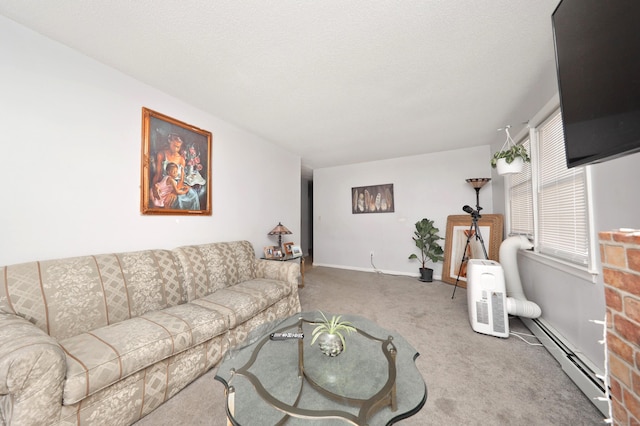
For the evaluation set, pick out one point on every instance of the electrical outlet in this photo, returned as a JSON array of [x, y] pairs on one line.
[[371, 253]]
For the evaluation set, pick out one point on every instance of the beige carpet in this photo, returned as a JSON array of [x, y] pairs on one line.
[[472, 379]]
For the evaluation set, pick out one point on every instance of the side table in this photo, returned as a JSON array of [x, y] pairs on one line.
[[287, 258]]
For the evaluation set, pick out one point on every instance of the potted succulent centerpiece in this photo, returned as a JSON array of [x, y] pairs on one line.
[[511, 157], [328, 333], [426, 239]]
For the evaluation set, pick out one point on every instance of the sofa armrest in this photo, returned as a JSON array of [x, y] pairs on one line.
[[288, 271], [32, 371]]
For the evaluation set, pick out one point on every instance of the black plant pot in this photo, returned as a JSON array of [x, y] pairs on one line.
[[426, 275]]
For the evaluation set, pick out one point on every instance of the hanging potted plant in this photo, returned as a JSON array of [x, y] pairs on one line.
[[511, 157], [426, 239], [329, 334]]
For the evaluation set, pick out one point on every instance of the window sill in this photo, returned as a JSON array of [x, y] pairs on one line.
[[570, 268]]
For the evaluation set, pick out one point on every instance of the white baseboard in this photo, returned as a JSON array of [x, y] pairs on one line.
[[381, 271], [579, 370]]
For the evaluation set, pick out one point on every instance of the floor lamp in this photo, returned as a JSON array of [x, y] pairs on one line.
[[474, 230], [477, 184]]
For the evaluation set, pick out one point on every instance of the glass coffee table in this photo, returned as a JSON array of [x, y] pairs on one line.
[[374, 381]]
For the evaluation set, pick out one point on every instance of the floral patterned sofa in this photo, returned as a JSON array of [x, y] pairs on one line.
[[106, 339]]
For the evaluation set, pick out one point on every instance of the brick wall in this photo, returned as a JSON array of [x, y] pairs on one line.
[[620, 254]]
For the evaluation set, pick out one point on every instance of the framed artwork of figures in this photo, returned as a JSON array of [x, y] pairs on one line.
[[176, 167]]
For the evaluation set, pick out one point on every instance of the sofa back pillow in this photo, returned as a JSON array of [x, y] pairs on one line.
[[66, 297], [210, 267]]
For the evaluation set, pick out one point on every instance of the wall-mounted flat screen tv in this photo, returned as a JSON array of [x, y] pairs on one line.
[[597, 44]]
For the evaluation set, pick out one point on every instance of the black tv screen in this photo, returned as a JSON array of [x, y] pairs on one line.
[[597, 44]]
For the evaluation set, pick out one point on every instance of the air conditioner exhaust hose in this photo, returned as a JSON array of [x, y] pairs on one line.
[[517, 303]]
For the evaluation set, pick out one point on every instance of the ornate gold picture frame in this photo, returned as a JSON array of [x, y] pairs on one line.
[[458, 228], [176, 167]]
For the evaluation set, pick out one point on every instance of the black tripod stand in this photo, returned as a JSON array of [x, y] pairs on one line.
[[474, 230]]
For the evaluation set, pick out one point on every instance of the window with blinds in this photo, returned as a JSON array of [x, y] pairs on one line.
[[556, 219], [562, 200]]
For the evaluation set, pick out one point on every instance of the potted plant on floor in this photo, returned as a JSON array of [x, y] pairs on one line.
[[511, 157], [426, 239], [329, 334]]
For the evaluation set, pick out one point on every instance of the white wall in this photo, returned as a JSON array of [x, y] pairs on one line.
[[431, 185], [616, 193], [71, 141]]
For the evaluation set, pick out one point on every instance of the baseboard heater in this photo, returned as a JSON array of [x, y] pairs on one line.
[[578, 370]]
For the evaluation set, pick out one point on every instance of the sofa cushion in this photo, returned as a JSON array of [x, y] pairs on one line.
[[207, 268], [100, 290], [246, 299], [101, 357]]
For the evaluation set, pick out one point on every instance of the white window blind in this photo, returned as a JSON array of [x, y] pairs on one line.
[[561, 195], [521, 199]]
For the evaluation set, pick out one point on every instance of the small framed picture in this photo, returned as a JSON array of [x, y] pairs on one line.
[[287, 248], [296, 251], [269, 252]]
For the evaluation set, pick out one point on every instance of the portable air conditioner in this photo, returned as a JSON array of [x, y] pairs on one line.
[[487, 298]]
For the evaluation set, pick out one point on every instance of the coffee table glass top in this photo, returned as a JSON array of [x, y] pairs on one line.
[[373, 381]]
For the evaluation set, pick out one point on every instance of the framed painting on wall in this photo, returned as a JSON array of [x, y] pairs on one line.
[[459, 229], [176, 167], [372, 199]]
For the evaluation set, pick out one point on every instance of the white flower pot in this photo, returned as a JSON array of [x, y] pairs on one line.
[[505, 168]]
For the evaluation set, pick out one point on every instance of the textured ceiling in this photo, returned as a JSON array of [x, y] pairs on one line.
[[334, 81]]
